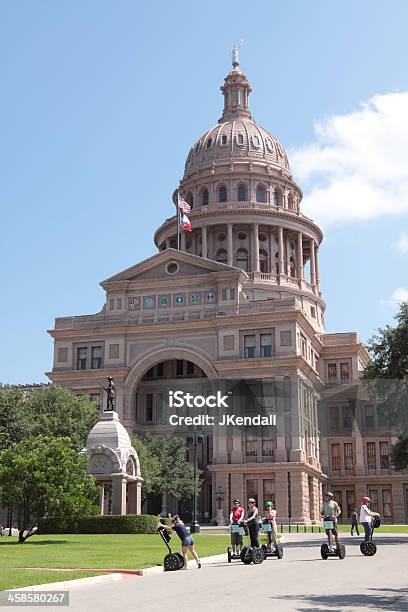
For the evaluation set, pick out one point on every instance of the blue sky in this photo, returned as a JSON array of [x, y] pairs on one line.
[[101, 101]]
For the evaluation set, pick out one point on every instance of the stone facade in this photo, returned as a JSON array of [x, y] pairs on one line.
[[240, 300]]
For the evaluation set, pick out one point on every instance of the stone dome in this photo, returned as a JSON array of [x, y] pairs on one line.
[[237, 140], [109, 432]]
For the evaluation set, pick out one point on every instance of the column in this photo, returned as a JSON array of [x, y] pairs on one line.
[[134, 497], [312, 263], [230, 248], [300, 271], [317, 267], [118, 495], [182, 240], [271, 252], [101, 498], [204, 248], [280, 251], [287, 241], [255, 243]]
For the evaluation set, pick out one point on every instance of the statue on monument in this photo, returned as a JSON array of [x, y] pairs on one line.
[[110, 395], [234, 53]]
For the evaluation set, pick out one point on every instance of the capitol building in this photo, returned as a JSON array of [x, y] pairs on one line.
[[239, 303]]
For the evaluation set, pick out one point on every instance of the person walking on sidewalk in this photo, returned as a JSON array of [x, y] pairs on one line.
[[354, 522], [187, 542]]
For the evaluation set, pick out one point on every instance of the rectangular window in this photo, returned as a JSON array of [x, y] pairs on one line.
[[286, 338], [268, 447], [335, 457], [351, 502], [249, 347], [369, 416], [373, 495], [209, 449], [313, 312], [348, 456], [347, 418], [303, 345], [251, 448], [179, 367], [266, 345], [119, 303], [160, 408], [111, 304], [384, 456], [334, 418], [344, 373], [232, 293], [332, 372], [190, 368], [371, 456], [82, 358], [149, 407], [269, 490], [386, 501], [96, 357], [252, 490]]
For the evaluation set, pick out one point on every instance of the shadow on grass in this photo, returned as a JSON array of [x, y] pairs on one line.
[[398, 601], [29, 542]]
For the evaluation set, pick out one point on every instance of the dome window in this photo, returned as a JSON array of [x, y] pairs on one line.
[[261, 194], [224, 140], [255, 141], [222, 194], [209, 143], [205, 197], [242, 193], [189, 198], [221, 237], [240, 139], [242, 236], [242, 259], [269, 145], [197, 147], [221, 256], [262, 237], [277, 198]]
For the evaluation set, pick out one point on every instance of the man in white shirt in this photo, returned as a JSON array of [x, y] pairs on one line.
[[366, 517]]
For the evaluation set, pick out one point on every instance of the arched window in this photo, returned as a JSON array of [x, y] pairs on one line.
[[221, 256], [277, 199], [242, 259], [260, 194], [204, 197], [222, 194], [290, 201], [242, 193], [263, 260]]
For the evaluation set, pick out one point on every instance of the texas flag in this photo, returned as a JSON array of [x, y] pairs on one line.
[[185, 222]]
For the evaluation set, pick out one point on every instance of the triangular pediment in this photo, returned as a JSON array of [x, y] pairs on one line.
[[169, 264]]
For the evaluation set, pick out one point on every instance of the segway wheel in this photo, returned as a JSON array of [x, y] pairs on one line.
[[246, 556], [279, 551], [368, 549], [173, 562], [258, 556], [341, 551], [229, 555], [324, 551]]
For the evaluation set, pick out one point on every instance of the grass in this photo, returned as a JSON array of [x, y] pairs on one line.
[[87, 551]]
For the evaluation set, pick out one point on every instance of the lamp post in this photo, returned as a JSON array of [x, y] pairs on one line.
[[194, 440]]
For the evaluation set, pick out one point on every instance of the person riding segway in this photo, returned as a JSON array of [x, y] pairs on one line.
[[237, 531], [370, 521], [254, 553], [269, 527], [330, 512]]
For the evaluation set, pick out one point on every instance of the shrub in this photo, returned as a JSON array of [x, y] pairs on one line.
[[129, 523]]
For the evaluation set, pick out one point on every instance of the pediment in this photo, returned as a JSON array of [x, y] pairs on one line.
[[169, 264]]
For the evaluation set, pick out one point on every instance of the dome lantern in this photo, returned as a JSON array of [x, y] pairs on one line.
[[236, 90]]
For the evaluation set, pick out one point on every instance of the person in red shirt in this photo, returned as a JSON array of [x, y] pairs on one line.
[[236, 519]]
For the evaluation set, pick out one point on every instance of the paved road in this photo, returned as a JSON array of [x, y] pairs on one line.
[[300, 581]]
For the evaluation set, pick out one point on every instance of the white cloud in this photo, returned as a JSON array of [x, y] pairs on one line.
[[358, 167], [402, 244], [399, 295]]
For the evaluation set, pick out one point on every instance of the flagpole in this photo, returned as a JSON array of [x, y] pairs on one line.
[[178, 222]]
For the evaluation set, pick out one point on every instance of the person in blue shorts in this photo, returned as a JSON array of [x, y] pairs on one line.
[[187, 542]]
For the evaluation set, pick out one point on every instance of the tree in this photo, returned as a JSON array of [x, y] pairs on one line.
[[149, 466], [52, 411], [45, 477], [386, 377], [175, 475]]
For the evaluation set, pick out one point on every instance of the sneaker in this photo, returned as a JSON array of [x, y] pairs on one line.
[[199, 565]]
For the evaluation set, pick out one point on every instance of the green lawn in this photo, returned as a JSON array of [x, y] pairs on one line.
[[87, 551]]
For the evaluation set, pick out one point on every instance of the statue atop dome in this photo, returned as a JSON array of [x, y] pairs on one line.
[[234, 53]]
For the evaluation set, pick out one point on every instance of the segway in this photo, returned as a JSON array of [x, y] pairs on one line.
[[252, 554], [369, 548], [236, 528], [327, 551], [269, 550], [172, 561]]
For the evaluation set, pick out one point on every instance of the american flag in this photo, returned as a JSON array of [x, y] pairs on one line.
[[183, 205]]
